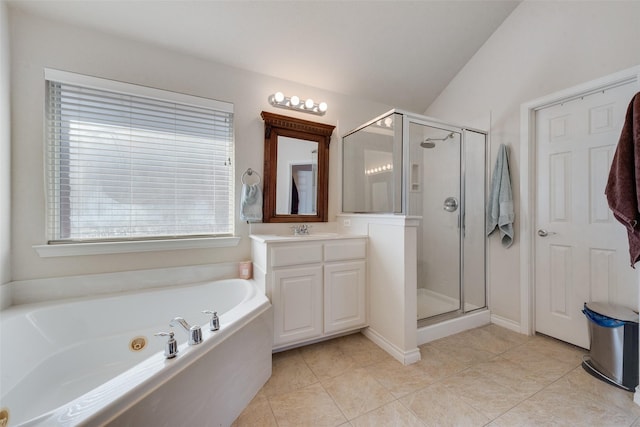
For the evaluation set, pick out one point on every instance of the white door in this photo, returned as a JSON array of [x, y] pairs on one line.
[[581, 251], [304, 184]]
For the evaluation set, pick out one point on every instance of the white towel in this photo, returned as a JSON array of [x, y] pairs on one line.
[[251, 203], [500, 211]]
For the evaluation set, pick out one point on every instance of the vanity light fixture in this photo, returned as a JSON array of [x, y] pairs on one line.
[[380, 169], [295, 103]]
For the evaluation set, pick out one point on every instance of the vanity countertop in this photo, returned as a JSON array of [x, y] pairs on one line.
[[265, 238]]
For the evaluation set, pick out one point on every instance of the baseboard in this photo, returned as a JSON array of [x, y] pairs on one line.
[[404, 357], [506, 323], [453, 326]]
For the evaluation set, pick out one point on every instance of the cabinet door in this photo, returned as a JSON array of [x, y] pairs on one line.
[[344, 296], [297, 304]]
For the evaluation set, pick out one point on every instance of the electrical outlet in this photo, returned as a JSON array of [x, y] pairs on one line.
[[346, 223]]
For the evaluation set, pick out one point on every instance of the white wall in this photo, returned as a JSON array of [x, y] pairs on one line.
[[541, 48], [5, 148], [38, 43]]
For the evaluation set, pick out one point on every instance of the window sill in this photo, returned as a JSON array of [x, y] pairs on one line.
[[77, 249]]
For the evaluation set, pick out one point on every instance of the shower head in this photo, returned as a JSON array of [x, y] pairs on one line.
[[428, 143]]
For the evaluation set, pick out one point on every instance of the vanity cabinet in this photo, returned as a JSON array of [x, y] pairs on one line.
[[297, 304], [317, 286]]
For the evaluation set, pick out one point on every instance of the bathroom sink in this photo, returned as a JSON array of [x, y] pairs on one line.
[[292, 236], [315, 235]]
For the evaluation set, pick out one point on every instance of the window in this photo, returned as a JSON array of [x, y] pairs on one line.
[[127, 162]]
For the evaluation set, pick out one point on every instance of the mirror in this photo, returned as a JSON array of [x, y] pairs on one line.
[[296, 165]]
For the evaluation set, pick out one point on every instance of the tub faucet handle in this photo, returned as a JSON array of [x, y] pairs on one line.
[[214, 323], [195, 333], [171, 349]]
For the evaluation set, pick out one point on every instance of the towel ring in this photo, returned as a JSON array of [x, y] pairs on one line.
[[250, 172]]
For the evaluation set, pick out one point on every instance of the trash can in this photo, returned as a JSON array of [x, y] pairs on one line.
[[613, 332]]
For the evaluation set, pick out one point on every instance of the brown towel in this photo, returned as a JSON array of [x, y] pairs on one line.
[[623, 187]]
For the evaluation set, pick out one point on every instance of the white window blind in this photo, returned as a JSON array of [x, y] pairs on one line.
[[126, 162]]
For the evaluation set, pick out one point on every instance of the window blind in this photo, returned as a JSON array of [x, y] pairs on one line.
[[121, 166]]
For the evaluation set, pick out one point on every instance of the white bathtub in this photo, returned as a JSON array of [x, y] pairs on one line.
[[71, 363]]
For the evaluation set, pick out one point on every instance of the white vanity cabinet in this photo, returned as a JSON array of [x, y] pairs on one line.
[[317, 286]]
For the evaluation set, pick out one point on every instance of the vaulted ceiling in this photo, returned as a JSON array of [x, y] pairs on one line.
[[401, 53]]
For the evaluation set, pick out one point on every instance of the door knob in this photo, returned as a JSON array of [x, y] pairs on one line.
[[450, 204], [545, 233]]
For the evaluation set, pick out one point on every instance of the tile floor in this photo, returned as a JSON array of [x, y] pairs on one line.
[[488, 376]]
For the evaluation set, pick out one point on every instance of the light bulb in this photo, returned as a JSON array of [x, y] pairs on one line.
[[309, 103], [322, 107], [279, 97], [295, 100], [388, 121]]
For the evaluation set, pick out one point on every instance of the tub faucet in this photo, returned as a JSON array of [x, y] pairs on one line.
[[195, 333], [299, 230]]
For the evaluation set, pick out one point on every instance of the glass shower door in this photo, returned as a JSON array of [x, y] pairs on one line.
[[434, 193]]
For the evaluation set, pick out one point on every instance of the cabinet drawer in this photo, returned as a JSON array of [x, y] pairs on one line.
[[345, 249], [296, 254]]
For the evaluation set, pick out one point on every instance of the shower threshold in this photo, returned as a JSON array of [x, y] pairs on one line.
[[434, 305], [451, 323]]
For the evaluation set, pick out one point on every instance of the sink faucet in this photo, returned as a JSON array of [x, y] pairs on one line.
[[195, 333], [302, 229]]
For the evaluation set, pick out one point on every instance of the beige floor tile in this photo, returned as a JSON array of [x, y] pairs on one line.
[[599, 390], [487, 376], [393, 414], [362, 350], [529, 414], [438, 364], [438, 406], [327, 359], [398, 379], [257, 413], [512, 337], [490, 339], [357, 392], [556, 349], [511, 375], [289, 372], [457, 347], [547, 369], [309, 406], [483, 393], [579, 396], [562, 401]]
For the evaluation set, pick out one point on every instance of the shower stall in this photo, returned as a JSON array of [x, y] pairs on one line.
[[414, 166]]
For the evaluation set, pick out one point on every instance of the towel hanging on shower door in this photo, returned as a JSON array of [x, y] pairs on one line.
[[500, 212]]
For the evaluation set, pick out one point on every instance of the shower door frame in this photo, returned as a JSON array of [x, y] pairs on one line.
[[407, 119]]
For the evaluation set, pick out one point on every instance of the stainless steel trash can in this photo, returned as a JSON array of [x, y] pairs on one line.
[[613, 332]]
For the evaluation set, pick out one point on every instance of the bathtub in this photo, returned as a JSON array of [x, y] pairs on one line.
[[96, 361]]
